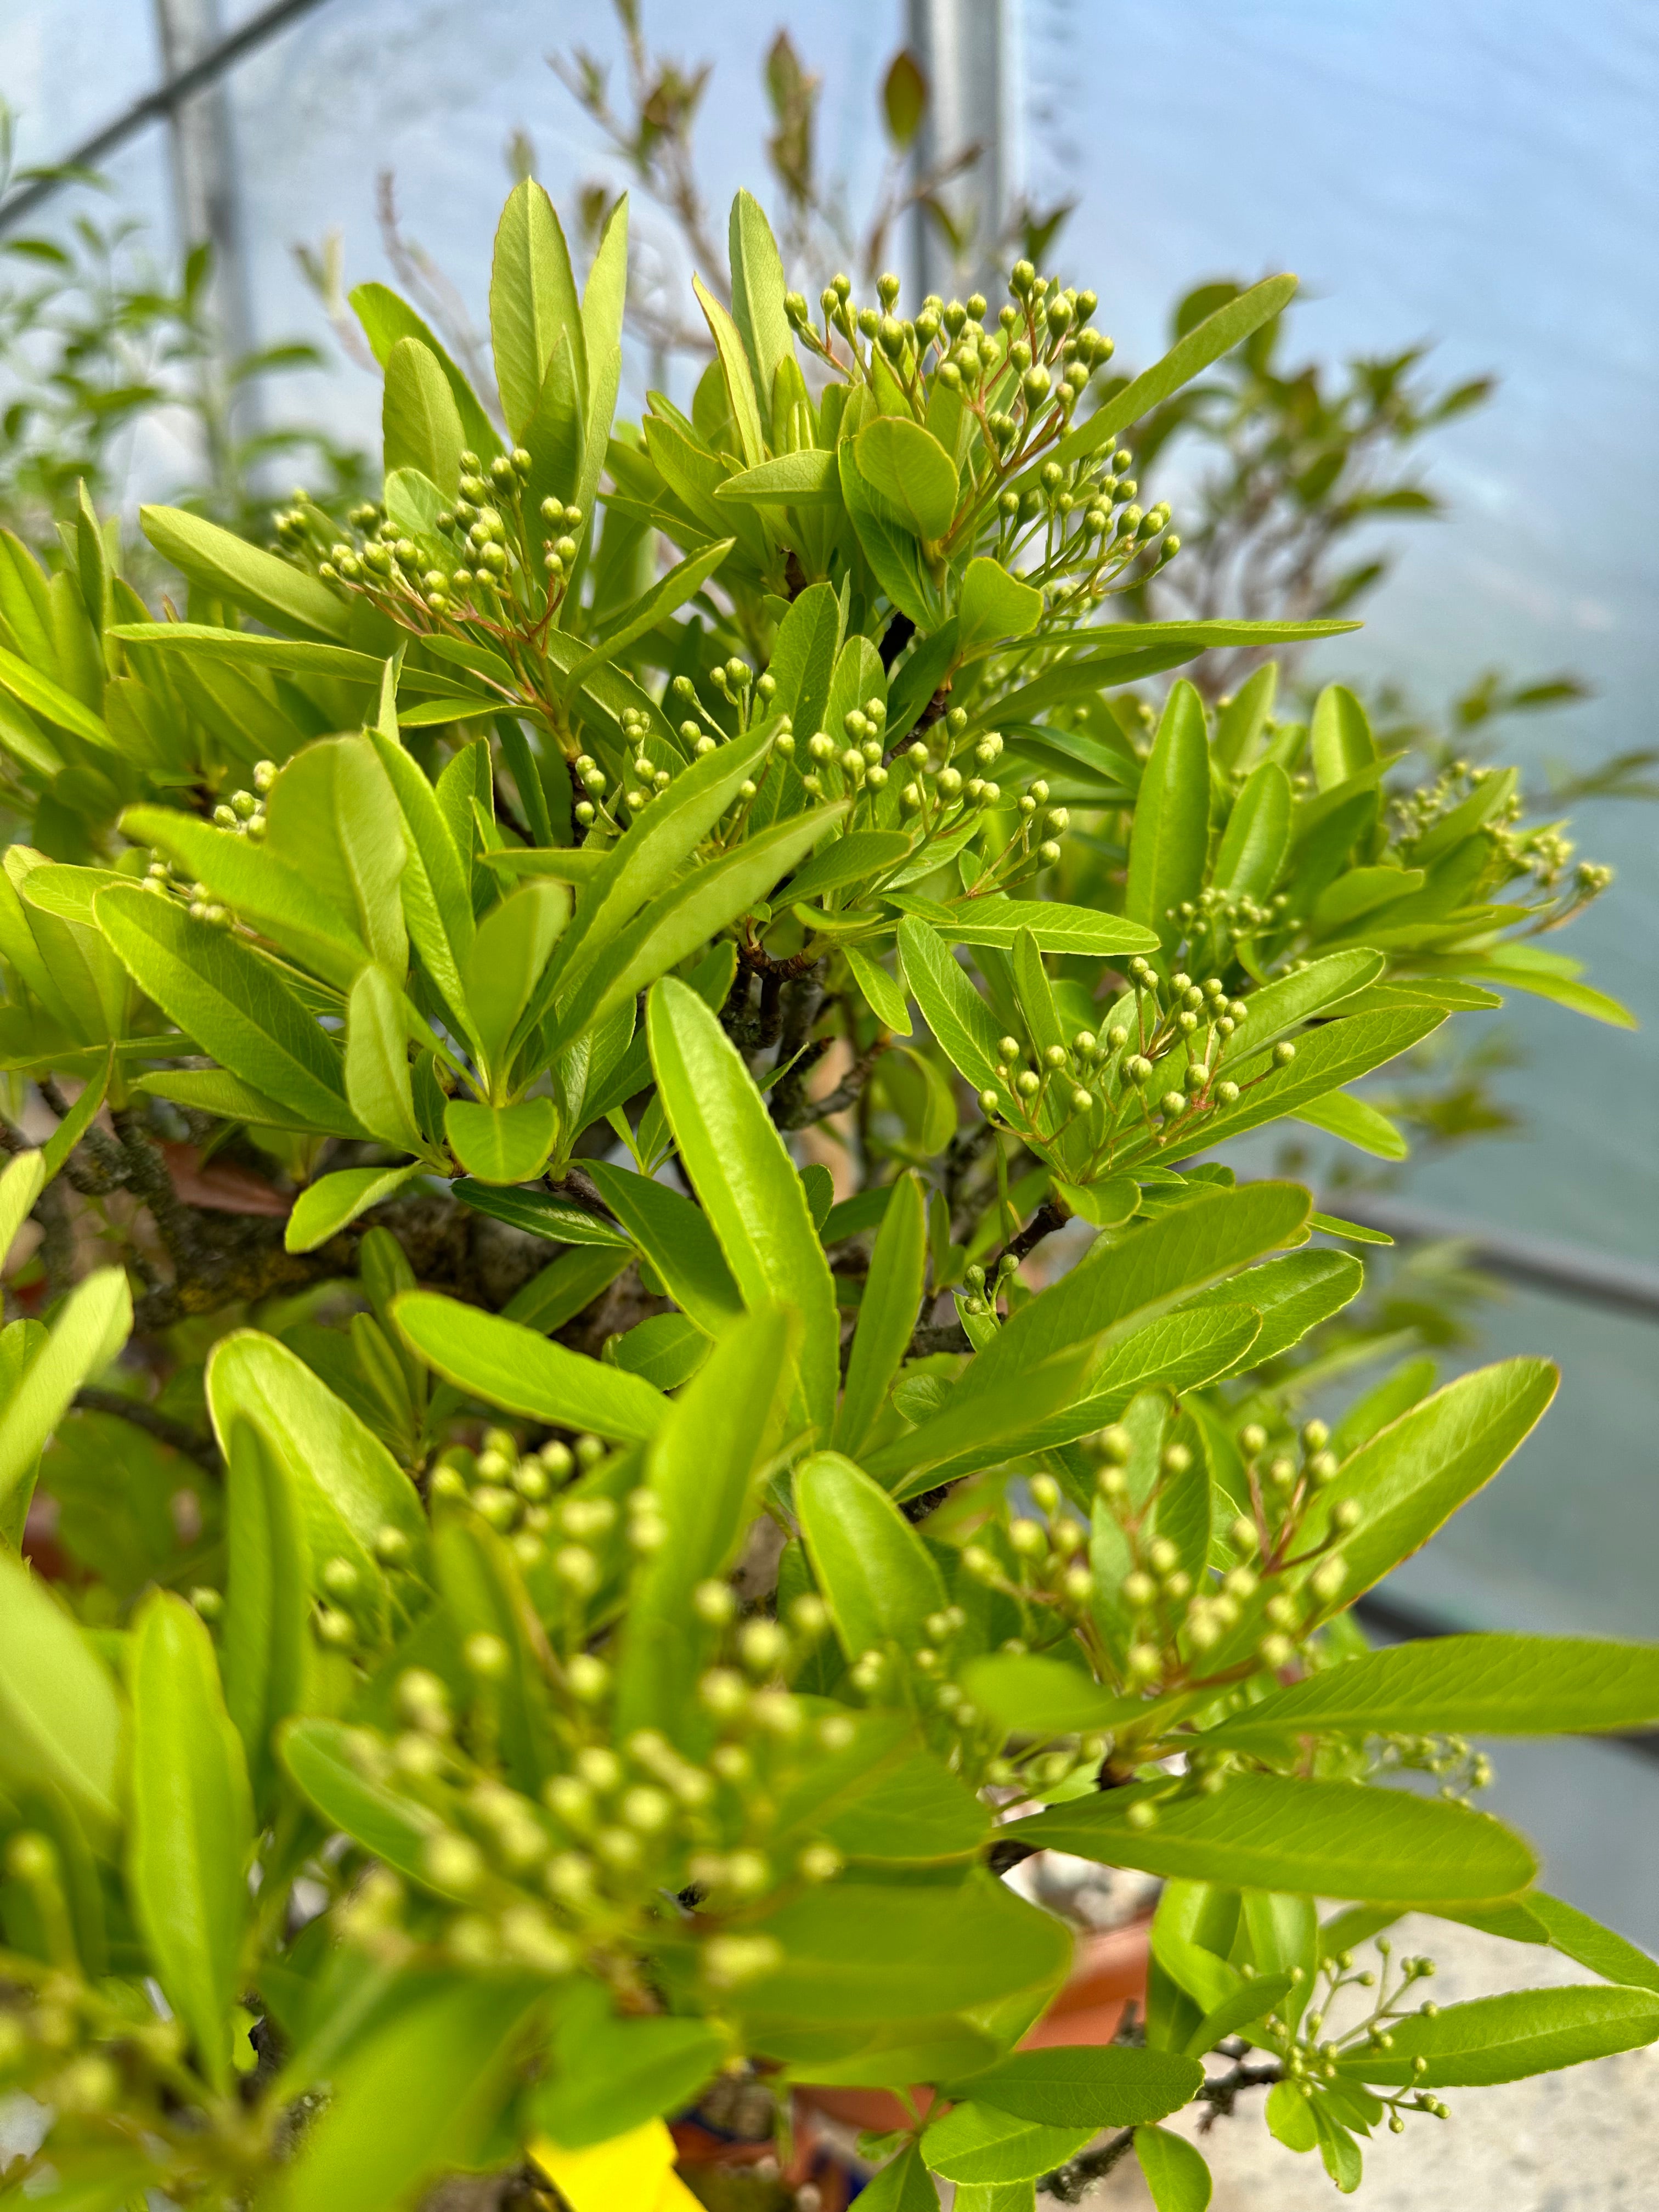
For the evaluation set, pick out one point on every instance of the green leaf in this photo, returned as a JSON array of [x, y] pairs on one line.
[[506, 964], [1293, 1295], [60, 1717], [1588, 1944], [350, 1489], [893, 553], [1170, 833], [265, 1645], [887, 1312], [1257, 836], [293, 602], [804, 658], [994, 604], [740, 383], [653, 607], [420, 2096], [850, 860], [958, 1017], [437, 900], [603, 298], [1188, 358], [1290, 2117], [421, 424], [907, 467], [394, 1827], [868, 1949], [1117, 1288], [533, 303], [649, 857], [808, 478], [332, 817], [1175, 2173], [514, 1368], [709, 1450], [883, 995], [876, 1577], [1241, 721], [607, 2075], [1505, 2038], [190, 1834], [758, 292], [883, 1799], [977, 2144], [211, 1090], [1055, 927], [1489, 1685], [990, 1425], [377, 1081], [1070, 2085], [556, 434], [51, 700], [325, 1207], [707, 900], [1357, 1123], [88, 1330], [676, 1236], [903, 2185], [1339, 1052], [21, 1182], [1363, 891], [559, 1219], [1415, 1474], [747, 1183], [501, 1143], [1044, 1697], [232, 1002], [386, 319], [1340, 740], [566, 1285], [1328, 1839]]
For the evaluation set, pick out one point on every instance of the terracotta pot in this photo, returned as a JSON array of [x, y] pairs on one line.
[[1111, 1969]]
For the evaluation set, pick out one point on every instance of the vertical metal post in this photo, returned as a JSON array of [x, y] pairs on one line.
[[207, 211], [969, 52]]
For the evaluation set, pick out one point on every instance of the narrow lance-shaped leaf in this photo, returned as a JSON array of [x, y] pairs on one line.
[[704, 1460], [887, 1312], [1171, 832], [747, 1183], [1505, 2039], [88, 1330], [877, 1576], [266, 1645], [60, 1714], [192, 1831], [1491, 1685], [1328, 1838], [513, 1367], [234, 1004]]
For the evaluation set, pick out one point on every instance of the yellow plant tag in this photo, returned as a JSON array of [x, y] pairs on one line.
[[633, 2173]]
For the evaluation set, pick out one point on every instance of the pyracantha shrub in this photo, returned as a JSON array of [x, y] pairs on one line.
[[563, 1602]]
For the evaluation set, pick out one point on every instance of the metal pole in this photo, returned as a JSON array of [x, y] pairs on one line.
[[1565, 1271], [206, 206], [235, 46], [968, 50]]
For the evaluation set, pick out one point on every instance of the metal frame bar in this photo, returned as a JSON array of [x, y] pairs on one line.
[[155, 107], [1566, 1271]]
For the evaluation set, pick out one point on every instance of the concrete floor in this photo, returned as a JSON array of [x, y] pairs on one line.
[[1582, 2141]]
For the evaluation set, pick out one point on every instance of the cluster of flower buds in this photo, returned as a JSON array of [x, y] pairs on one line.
[[1021, 376], [1273, 1597], [1310, 2058], [70, 2038], [544, 1880], [244, 813], [484, 560]]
